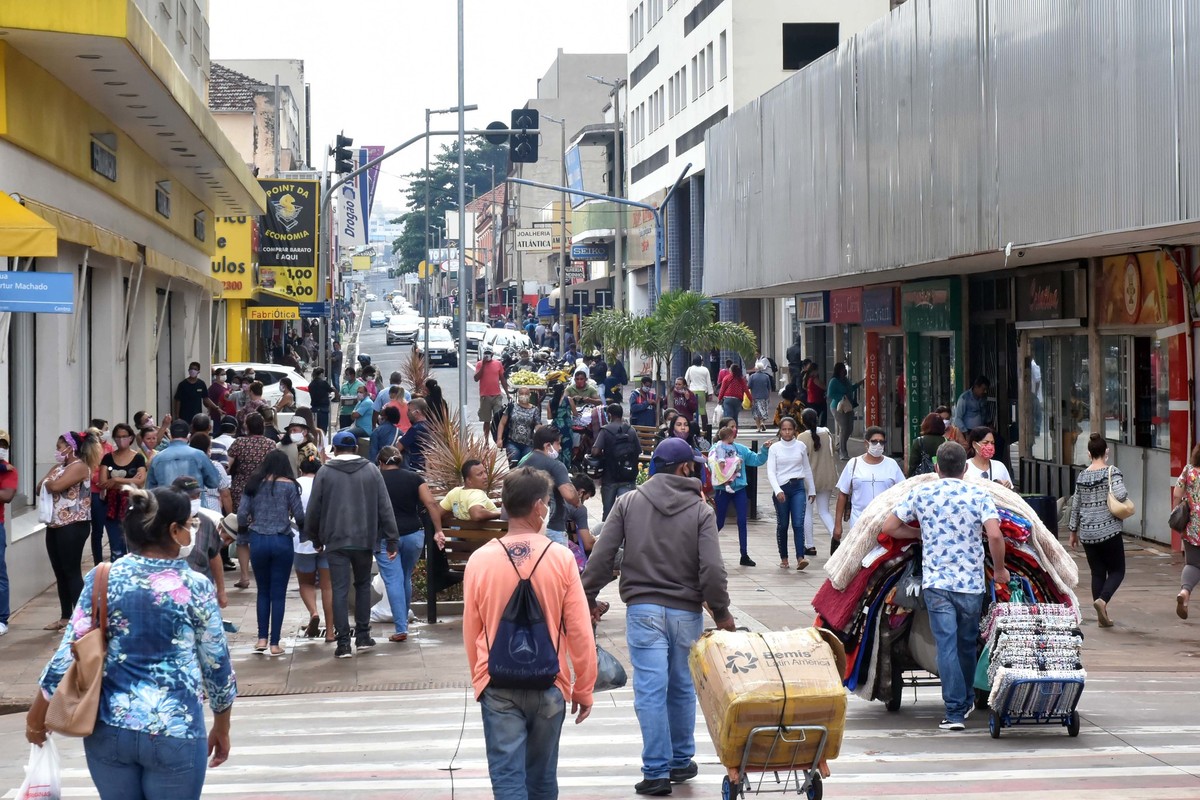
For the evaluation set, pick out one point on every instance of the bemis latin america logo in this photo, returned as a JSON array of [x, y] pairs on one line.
[[734, 663]]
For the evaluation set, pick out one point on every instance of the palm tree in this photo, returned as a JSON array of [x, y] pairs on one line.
[[681, 319]]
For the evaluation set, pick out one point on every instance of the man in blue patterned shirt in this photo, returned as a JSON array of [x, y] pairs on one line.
[[952, 514]]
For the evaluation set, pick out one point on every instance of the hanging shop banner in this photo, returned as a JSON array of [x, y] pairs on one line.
[[931, 306], [352, 214], [289, 228], [373, 151], [813, 307], [845, 306], [234, 264], [1138, 289], [879, 307], [272, 313]]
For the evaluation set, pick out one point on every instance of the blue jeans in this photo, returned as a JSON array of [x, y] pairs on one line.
[[521, 729], [271, 558], [738, 498], [954, 621], [610, 490], [659, 639], [516, 452], [99, 514], [116, 538], [795, 498], [3, 576], [732, 407], [397, 575], [557, 536], [130, 765]]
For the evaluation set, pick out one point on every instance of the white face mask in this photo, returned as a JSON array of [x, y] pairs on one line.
[[3, 454], [196, 506], [545, 521], [297, 437], [875, 450], [193, 373], [185, 550]]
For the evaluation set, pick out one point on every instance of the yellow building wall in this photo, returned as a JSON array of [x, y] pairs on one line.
[[237, 342], [96, 17], [32, 115]]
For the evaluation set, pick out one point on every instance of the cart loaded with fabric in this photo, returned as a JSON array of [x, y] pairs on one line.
[[867, 603]]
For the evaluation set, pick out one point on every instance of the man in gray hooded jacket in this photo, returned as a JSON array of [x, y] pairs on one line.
[[672, 567], [348, 513]]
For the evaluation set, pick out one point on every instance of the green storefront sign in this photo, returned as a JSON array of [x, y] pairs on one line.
[[931, 315]]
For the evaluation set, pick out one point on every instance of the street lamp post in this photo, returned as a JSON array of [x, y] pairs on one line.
[[427, 280], [562, 225], [618, 190]]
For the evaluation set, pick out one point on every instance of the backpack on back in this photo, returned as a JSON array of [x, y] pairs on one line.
[[523, 655], [623, 457]]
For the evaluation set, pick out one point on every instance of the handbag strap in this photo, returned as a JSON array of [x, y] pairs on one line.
[[100, 599]]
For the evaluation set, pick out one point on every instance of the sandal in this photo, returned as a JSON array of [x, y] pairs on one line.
[[313, 628], [57, 625], [784, 564], [1181, 606], [801, 564], [275, 650], [398, 637], [242, 584]]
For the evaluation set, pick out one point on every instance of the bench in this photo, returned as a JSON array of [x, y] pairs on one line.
[[647, 438], [444, 568]]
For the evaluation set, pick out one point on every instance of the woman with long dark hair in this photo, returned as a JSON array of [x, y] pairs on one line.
[[269, 505], [69, 482], [245, 455], [434, 399], [731, 391], [822, 461], [411, 502], [124, 466], [166, 653]]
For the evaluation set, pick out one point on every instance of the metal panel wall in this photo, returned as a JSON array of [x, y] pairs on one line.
[[949, 129]]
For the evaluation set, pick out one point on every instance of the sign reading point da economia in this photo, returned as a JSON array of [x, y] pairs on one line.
[[288, 240]]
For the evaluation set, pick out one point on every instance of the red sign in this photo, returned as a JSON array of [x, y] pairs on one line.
[[845, 306]]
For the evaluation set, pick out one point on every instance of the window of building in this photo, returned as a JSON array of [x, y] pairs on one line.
[[708, 63], [701, 81], [632, 31], [1059, 398], [694, 87], [724, 56], [671, 92], [1136, 394], [683, 98], [805, 42], [662, 107]]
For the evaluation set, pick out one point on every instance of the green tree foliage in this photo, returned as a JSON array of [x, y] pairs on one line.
[[442, 178]]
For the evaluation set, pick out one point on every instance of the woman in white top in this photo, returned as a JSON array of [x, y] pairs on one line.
[[791, 480], [823, 461], [699, 380], [982, 441], [862, 480]]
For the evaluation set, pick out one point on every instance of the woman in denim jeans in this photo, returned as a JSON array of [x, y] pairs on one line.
[[792, 485], [409, 495], [166, 653], [268, 506]]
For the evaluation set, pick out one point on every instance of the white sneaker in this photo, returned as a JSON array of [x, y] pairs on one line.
[[3, 628]]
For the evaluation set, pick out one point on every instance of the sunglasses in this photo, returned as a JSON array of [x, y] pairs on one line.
[[877, 441]]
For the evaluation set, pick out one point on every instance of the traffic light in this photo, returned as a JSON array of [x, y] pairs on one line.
[[523, 147], [343, 161]]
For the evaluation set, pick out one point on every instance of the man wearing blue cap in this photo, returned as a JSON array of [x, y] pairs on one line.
[[672, 567]]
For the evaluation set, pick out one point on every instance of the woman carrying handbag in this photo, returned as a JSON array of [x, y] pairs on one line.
[[1099, 504], [1186, 520]]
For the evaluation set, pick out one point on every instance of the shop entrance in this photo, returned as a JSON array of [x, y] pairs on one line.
[[891, 391], [1060, 398]]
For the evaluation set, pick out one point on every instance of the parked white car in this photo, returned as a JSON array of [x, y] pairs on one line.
[[498, 339], [269, 375]]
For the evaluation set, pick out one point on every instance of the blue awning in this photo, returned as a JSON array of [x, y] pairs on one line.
[[544, 309]]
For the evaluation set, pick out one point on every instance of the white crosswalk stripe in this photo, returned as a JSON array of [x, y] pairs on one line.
[[398, 744]]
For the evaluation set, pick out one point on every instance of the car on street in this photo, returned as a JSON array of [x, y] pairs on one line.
[[403, 328], [498, 339], [442, 348], [269, 375], [371, 298], [378, 319]]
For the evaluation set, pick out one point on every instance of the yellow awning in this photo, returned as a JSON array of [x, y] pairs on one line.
[[80, 231], [159, 262], [24, 234]]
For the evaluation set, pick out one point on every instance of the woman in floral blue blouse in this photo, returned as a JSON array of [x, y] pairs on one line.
[[166, 654]]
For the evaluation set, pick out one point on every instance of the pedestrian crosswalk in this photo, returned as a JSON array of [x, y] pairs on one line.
[[430, 744]]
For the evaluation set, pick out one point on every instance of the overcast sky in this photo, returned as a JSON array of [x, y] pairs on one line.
[[376, 81]]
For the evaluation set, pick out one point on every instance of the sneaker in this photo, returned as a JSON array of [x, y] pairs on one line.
[[343, 651], [947, 725], [747, 562], [3, 628], [655, 787], [681, 774], [810, 551], [364, 643]]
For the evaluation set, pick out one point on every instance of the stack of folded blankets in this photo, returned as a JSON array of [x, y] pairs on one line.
[[1032, 642], [857, 602]]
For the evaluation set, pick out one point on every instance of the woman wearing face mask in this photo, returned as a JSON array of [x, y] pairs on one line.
[[143, 420], [666, 429], [124, 466], [683, 399], [287, 400], [791, 479], [269, 505], [862, 479], [245, 455], [517, 425], [166, 652], [69, 483], [981, 464]]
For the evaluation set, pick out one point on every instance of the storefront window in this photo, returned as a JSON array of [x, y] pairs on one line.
[[1058, 394], [1160, 425], [1136, 407], [1116, 353]]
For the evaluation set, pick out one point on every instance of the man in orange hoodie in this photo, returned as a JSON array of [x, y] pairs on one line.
[[521, 727]]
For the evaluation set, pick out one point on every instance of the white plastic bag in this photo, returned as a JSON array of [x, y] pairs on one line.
[[42, 773], [45, 505], [381, 611]]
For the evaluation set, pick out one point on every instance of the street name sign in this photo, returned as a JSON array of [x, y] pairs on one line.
[[37, 292]]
